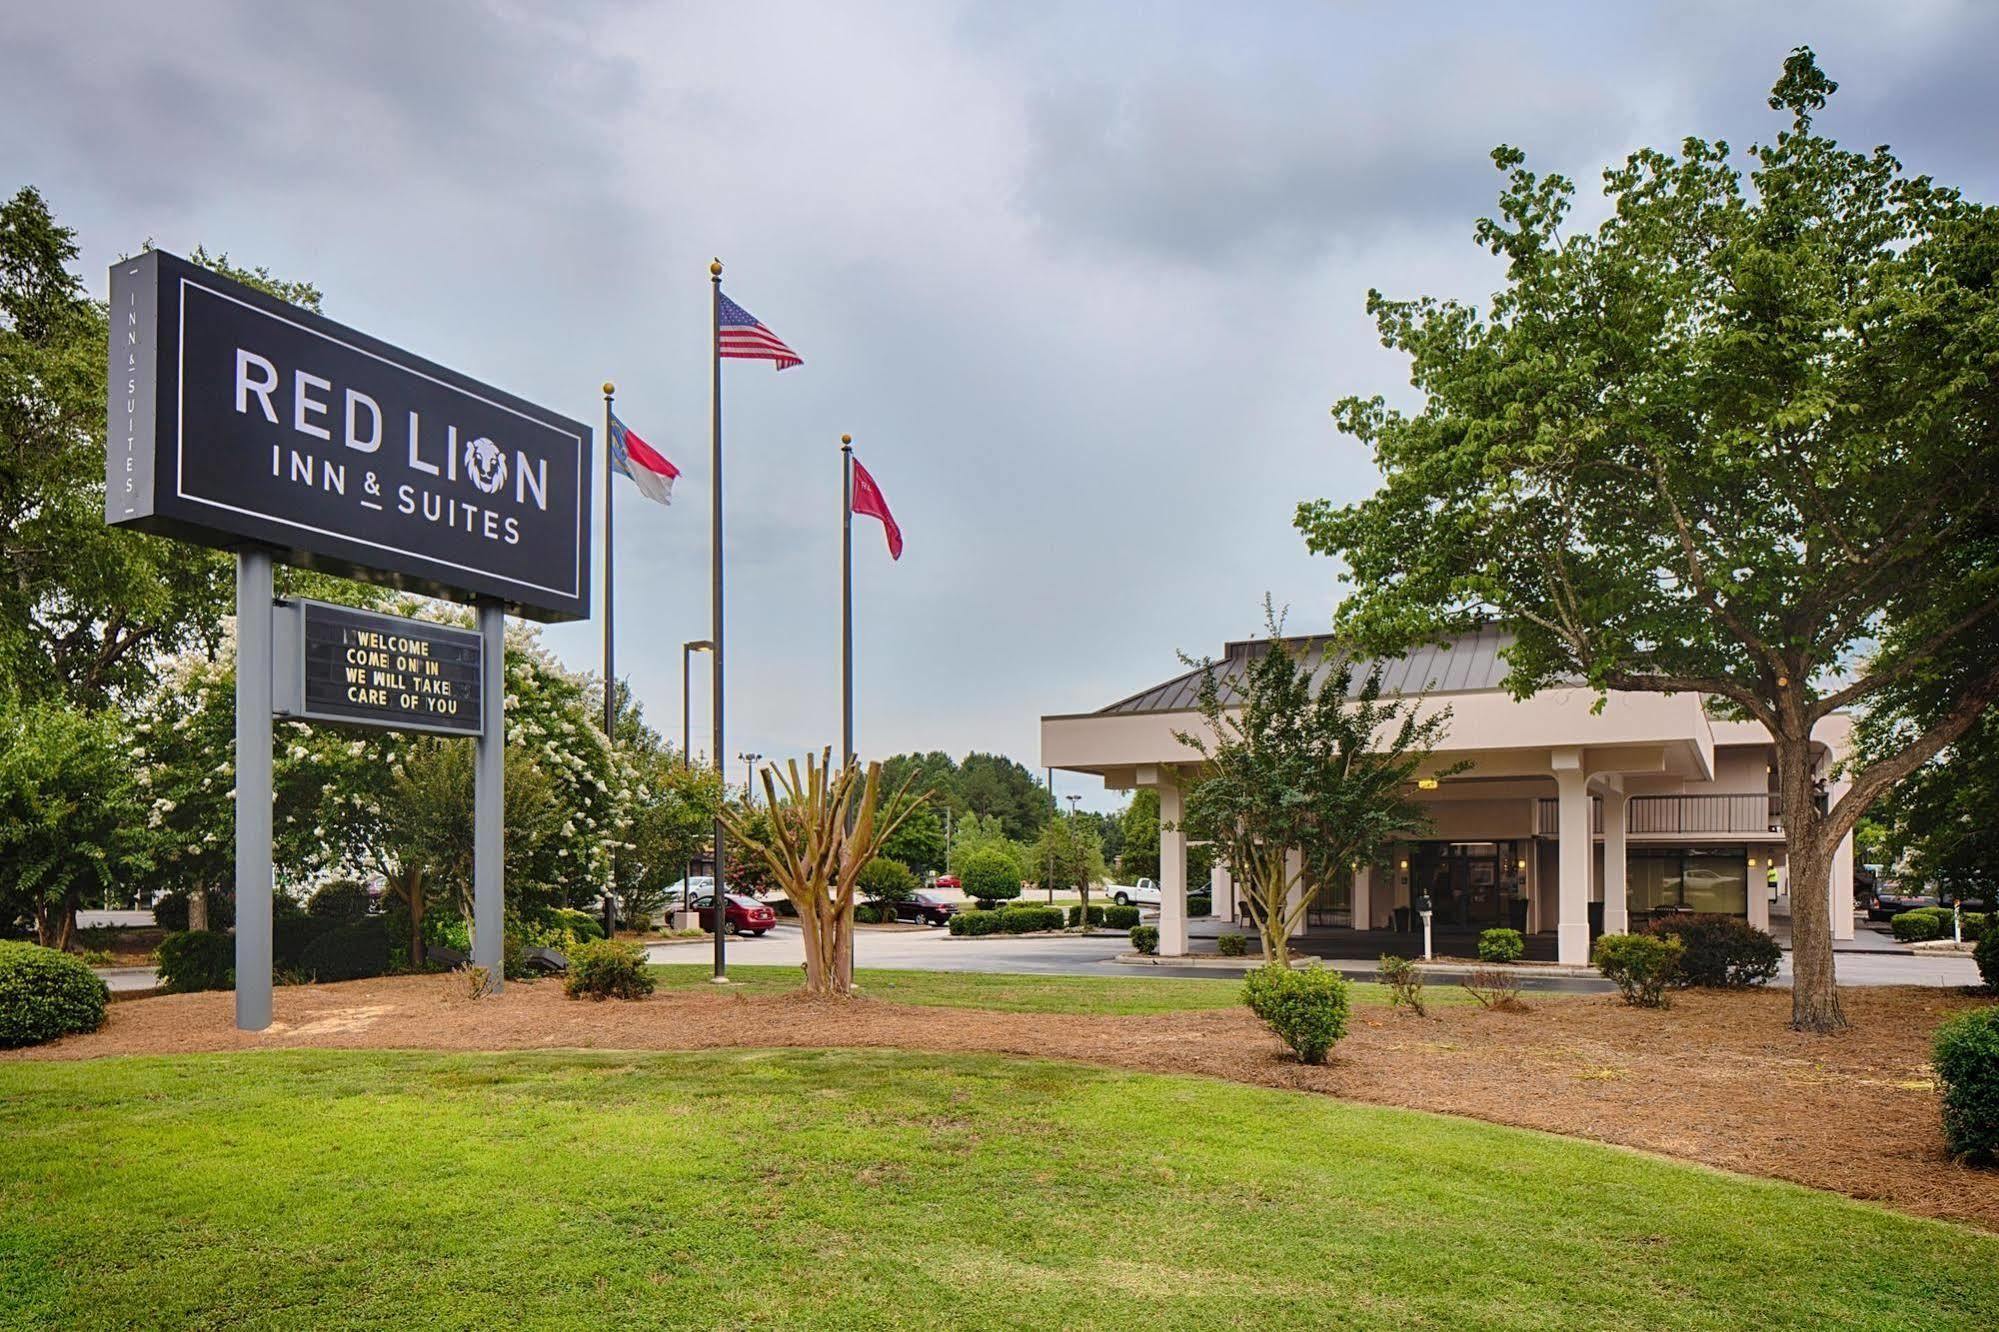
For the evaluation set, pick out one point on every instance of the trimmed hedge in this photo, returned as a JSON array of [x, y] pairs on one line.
[[1719, 952], [581, 924], [607, 969], [170, 910], [349, 952], [1927, 923], [1307, 1007], [1202, 905], [1145, 938], [1232, 945], [196, 960], [292, 935], [45, 994], [1986, 955], [1965, 1054], [338, 900], [1111, 916], [1501, 945], [1011, 920], [1642, 965]]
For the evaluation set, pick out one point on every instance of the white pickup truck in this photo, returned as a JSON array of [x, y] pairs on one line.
[[1144, 893]]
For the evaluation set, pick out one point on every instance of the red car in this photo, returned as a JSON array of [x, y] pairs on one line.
[[948, 881], [745, 915]]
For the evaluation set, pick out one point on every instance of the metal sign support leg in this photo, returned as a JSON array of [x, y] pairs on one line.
[[253, 789], [489, 798]]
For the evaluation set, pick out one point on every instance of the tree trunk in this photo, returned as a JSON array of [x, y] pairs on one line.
[[197, 907], [413, 894], [1814, 994], [55, 924]]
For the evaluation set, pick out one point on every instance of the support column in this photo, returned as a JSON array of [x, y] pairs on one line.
[[1840, 889], [1172, 872], [254, 882], [1761, 863], [489, 798], [1616, 899], [1363, 898], [1573, 865], [1224, 895]]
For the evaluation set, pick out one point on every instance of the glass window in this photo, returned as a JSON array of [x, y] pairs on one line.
[[1687, 879]]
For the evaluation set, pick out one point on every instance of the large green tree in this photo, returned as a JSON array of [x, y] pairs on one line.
[[1324, 771], [72, 829], [1737, 440], [86, 611]]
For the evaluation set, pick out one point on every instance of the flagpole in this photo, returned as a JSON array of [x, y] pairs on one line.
[[610, 669], [720, 916], [847, 598], [847, 639]]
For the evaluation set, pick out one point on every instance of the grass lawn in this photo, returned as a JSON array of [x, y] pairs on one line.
[[1015, 993], [871, 1189]]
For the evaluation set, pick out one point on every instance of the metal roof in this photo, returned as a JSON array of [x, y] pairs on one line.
[[1470, 662]]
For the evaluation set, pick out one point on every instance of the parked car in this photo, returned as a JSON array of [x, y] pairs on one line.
[[926, 907], [1145, 892], [745, 915], [1886, 904], [949, 881]]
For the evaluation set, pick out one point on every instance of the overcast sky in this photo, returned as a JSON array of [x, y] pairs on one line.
[[1081, 281]]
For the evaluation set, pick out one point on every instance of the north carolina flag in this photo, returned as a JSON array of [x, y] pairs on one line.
[[868, 499], [647, 468]]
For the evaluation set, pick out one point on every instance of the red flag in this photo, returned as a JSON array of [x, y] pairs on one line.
[[868, 499]]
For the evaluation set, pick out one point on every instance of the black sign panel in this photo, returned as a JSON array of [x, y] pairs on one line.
[[238, 418], [335, 663]]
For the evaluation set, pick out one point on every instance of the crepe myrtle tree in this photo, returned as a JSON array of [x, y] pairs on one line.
[[1324, 771], [1739, 440], [71, 831], [821, 827], [1072, 856]]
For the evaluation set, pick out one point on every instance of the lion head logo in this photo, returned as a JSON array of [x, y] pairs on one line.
[[485, 464]]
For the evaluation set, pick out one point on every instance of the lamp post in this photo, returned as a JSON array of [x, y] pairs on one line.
[[750, 780], [687, 651]]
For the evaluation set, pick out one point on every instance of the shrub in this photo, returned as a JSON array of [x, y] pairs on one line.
[[1495, 988], [196, 960], [1198, 906], [1920, 925], [1642, 965], [292, 935], [608, 969], [1306, 1007], [1232, 945], [581, 925], [349, 952], [1719, 951], [338, 899], [45, 994], [1986, 955], [974, 923], [1025, 919], [1404, 980], [1965, 1054], [1501, 945], [884, 879], [1145, 938], [1120, 917], [990, 876], [170, 910]]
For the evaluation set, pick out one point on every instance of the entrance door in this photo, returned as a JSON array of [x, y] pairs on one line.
[[1463, 880]]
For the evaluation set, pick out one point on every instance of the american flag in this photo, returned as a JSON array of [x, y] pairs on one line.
[[739, 333]]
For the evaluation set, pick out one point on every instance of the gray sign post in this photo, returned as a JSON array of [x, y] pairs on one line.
[[489, 800], [254, 880]]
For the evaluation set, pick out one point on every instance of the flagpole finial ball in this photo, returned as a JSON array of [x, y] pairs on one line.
[[715, 268], [845, 440], [609, 388]]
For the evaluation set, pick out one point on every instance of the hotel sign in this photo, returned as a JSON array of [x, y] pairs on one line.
[[236, 418], [335, 663]]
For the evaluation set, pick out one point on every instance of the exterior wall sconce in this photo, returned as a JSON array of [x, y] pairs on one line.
[[1520, 864], [1426, 783]]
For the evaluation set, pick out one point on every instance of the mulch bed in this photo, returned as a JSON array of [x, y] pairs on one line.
[[1718, 1078]]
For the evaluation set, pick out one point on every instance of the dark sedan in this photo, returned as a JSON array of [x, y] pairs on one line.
[[926, 907], [1886, 904], [745, 915]]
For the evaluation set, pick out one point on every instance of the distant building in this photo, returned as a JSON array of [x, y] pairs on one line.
[[1567, 822]]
